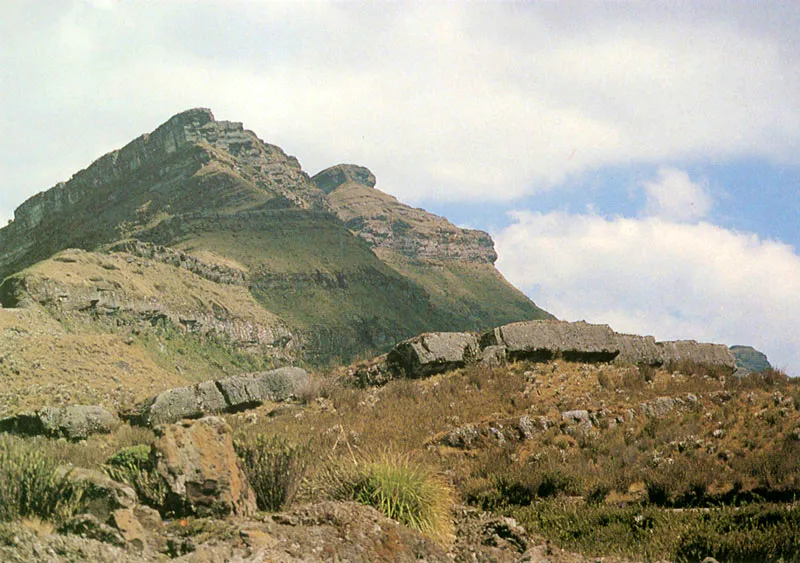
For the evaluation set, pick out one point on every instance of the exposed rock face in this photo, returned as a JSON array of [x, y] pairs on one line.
[[183, 402], [102, 494], [199, 465], [251, 389], [76, 422], [230, 394], [333, 177], [433, 353], [385, 223], [545, 340]]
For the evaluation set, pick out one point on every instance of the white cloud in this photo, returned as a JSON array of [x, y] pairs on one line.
[[651, 276], [451, 101], [673, 196]]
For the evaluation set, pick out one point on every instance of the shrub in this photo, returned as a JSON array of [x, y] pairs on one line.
[[752, 533], [135, 467], [33, 485], [275, 468], [400, 489]]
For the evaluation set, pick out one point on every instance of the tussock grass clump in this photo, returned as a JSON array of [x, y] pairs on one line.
[[33, 485], [398, 487], [134, 466], [275, 468]]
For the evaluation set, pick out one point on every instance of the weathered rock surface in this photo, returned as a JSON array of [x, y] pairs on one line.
[[243, 391], [543, 340], [88, 526], [205, 477], [546, 340], [493, 433], [697, 352], [183, 402], [333, 177], [584, 342], [230, 394], [102, 496], [75, 422], [385, 223], [434, 352]]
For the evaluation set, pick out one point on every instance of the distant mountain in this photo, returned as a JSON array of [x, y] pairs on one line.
[[748, 359], [200, 217]]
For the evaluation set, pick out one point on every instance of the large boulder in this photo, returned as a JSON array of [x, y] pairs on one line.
[[433, 352], [230, 394], [635, 349], [183, 402], [204, 476], [547, 340], [701, 353], [244, 391], [102, 495], [75, 422]]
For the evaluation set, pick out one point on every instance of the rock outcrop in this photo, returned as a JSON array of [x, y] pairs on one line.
[[386, 224], [75, 422], [547, 340], [204, 476], [433, 353], [229, 394]]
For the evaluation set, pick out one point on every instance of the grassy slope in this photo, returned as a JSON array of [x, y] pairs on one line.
[[586, 488], [476, 296], [53, 353], [310, 271]]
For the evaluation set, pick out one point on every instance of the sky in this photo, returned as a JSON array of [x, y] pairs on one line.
[[636, 163]]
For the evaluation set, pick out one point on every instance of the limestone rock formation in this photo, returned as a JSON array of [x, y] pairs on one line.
[[229, 394], [75, 422], [433, 353], [545, 340], [197, 461]]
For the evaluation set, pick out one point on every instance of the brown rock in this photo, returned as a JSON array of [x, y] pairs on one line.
[[129, 528], [102, 494], [199, 464]]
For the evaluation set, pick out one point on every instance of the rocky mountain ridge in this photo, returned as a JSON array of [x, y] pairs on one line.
[[334, 272]]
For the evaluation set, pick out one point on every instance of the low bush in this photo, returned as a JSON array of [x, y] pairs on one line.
[[399, 488], [752, 533], [33, 485], [134, 466], [275, 468]]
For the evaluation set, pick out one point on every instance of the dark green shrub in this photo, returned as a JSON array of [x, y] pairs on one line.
[[751, 533], [33, 484], [134, 466], [274, 467]]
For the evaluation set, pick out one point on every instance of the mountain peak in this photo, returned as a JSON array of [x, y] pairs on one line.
[[333, 177]]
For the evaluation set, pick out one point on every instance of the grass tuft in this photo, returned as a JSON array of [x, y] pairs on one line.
[[33, 485], [399, 488], [275, 468], [134, 466]]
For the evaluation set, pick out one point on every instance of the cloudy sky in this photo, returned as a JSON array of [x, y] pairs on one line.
[[636, 163]]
